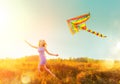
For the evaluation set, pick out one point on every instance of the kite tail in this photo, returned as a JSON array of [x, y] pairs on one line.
[[93, 32], [97, 33]]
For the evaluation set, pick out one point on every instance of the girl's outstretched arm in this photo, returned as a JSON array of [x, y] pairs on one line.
[[31, 44], [50, 53]]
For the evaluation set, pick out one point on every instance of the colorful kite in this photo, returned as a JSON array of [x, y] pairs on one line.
[[78, 23]]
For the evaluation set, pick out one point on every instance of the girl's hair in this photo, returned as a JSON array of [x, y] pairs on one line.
[[44, 43]]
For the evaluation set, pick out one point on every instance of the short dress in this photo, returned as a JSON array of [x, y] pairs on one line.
[[42, 56]]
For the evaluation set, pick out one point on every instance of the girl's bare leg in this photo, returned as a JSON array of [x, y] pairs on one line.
[[49, 71]]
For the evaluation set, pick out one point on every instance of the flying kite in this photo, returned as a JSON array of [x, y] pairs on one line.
[[78, 23]]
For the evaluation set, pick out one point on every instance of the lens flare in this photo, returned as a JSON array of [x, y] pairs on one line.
[[25, 78]]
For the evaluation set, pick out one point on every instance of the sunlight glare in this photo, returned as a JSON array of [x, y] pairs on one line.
[[109, 64], [118, 45]]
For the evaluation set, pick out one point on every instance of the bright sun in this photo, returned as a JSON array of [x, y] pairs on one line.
[[13, 28], [10, 36]]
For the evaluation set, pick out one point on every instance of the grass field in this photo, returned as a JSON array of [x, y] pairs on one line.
[[69, 71]]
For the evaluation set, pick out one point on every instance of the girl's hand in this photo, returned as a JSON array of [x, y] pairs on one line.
[[56, 54]]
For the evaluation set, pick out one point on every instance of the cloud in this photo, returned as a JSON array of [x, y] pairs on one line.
[[115, 51]]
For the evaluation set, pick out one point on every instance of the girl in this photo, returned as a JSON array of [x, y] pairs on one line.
[[42, 49]]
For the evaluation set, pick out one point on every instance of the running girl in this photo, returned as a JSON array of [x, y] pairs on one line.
[[42, 49]]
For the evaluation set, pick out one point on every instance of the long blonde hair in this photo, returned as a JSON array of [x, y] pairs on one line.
[[44, 43]]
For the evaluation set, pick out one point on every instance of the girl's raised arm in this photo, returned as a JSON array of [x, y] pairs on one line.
[[50, 53], [31, 45]]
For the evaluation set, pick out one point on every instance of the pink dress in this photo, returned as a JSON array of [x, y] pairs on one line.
[[42, 56]]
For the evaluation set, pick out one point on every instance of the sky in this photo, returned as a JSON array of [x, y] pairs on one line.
[[33, 20]]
